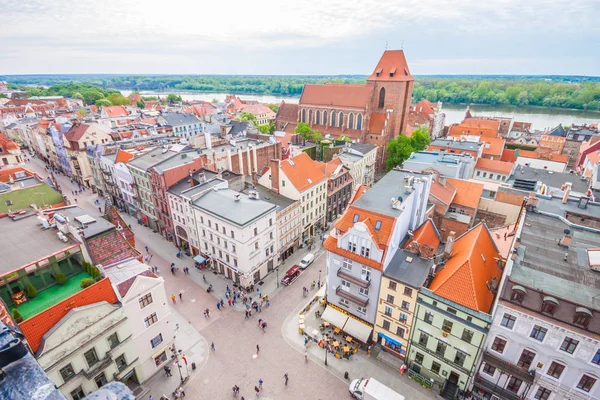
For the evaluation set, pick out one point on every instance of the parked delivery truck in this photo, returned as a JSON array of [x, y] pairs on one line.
[[371, 389]]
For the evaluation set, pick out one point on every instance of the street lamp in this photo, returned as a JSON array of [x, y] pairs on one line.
[[326, 347], [277, 272], [175, 357]]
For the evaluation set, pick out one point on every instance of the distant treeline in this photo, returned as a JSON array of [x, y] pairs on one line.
[[546, 91]]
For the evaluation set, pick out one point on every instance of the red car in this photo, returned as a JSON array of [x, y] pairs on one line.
[[291, 275]]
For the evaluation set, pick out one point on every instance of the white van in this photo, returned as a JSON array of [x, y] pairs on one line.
[[371, 389], [307, 260]]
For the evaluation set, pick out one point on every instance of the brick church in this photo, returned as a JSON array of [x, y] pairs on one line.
[[371, 113]]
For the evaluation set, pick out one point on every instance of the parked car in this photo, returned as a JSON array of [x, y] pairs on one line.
[[307, 260], [371, 389], [291, 275]]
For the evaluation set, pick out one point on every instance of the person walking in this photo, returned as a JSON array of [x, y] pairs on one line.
[[257, 390], [167, 371], [257, 349], [260, 382], [173, 299], [286, 377], [222, 302], [181, 296], [218, 306], [212, 346], [207, 312], [147, 251]]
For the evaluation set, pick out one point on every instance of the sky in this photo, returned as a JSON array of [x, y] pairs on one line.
[[299, 37]]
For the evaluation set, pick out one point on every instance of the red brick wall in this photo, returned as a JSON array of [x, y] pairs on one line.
[[446, 225], [510, 198], [34, 328], [263, 154]]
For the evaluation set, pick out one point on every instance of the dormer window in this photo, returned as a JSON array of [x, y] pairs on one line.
[[355, 219], [518, 294], [582, 317], [549, 305], [392, 72]]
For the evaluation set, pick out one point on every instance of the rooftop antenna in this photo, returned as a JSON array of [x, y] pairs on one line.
[[386, 44]]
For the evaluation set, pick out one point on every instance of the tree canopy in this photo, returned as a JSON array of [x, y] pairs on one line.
[[247, 117], [173, 98], [304, 130], [400, 148]]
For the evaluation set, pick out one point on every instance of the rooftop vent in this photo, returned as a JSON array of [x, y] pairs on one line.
[[237, 197], [253, 194]]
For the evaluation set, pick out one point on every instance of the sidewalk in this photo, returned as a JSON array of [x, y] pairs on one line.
[[360, 365]]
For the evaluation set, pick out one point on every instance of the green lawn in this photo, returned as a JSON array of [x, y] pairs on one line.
[[52, 295], [22, 198]]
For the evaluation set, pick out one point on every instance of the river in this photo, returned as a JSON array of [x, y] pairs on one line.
[[539, 117]]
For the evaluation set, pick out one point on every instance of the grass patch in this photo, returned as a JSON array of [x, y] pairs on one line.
[[22, 198]]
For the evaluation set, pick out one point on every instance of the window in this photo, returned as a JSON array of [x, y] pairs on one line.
[[90, 357], [581, 319], [271, 235], [447, 326], [345, 285], [526, 359], [585, 383], [364, 251], [460, 358], [400, 331], [78, 394], [365, 273], [256, 246], [100, 380], [596, 359], [224, 231], [517, 296], [161, 358], [386, 325], [549, 307], [555, 370], [392, 285], [435, 367], [156, 340], [151, 319], [542, 393], [255, 231], [351, 246], [233, 248], [363, 291], [216, 227], [489, 369], [381, 102], [428, 317], [235, 262], [451, 310], [405, 305], [377, 225], [232, 235], [362, 309], [145, 300], [467, 336], [419, 358], [403, 318], [508, 321], [355, 219], [67, 372], [423, 339], [113, 340], [387, 311], [344, 302], [514, 384], [499, 345], [569, 345], [441, 348], [408, 291], [389, 299], [538, 333], [121, 362]]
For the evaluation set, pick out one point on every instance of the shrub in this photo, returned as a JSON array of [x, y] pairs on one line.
[[17, 315], [61, 278], [94, 272], [85, 282], [31, 291]]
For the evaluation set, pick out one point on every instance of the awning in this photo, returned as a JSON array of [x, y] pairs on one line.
[[358, 329], [389, 339], [334, 317], [199, 259]]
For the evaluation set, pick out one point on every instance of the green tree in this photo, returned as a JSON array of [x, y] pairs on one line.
[[85, 282], [17, 315], [78, 96], [3, 96], [264, 129], [398, 151], [273, 107], [141, 104], [82, 111], [31, 291], [117, 99], [173, 98], [304, 130], [317, 137], [247, 117], [149, 98], [103, 103], [419, 139]]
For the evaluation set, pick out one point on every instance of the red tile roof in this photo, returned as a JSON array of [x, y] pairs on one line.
[[392, 61], [498, 166], [462, 130], [336, 95], [287, 112], [76, 132], [7, 173], [358, 192], [113, 216], [424, 106], [329, 168], [377, 123], [115, 111], [304, 173], [7, 144], [109, 248], [444, 193], [468, 193], [471, 267], [123, 156], [483, 123], [509, 155], [34, 328], [124, 286], [426, 239], [496, 146]]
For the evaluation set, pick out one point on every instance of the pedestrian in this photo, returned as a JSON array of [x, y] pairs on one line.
[[260, 382], [306, 356], [207, 313], [257, 349], [204, 313], [222, 303], [212, 346], [257, 390], [246, 314], [173, 299], [172, 269], [150, 398], [99, 210], [167, 371], [181, 392], [75, 200], [147, 251], [218, 306], [180, 296], [286, 377]]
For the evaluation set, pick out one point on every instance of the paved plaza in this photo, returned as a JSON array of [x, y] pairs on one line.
[[235, 360]]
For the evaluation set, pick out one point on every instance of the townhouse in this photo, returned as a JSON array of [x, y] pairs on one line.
[[360, 159], [78, 138], [183, 125], [339, 188]]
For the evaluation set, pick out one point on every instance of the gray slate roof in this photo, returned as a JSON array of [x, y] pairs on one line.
[[222, 204], [362, 148], [457, 144], [412, 273], [176, 119], [550, 178], [276, 199]]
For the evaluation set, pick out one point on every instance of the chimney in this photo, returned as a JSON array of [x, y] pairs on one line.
[[567, 192], [441, 154], [254, 178], [448, 246], [191, 179], [275, 175]]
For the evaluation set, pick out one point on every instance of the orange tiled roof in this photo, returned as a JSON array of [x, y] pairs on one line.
[[493, 124], [392, 61], [116, 111], [331, 245], [6, 173], [424, 106], [287, 112], [496, 146], [542, 155], [501, 167], [123, 156], [462, 130], [304, 173], [467, 193], [34, 328], [472, 265], [336, 95], [377, 123], [8, 144], [509, 155], [425, 235], [113, 216], [358, 192], [369, 218], [443, 193], [329, 168]]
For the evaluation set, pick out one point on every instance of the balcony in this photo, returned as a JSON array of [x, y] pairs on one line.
[[358, 299], [342, 273], [494, 389], [90, 373], [444, 359], [508, 368]]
